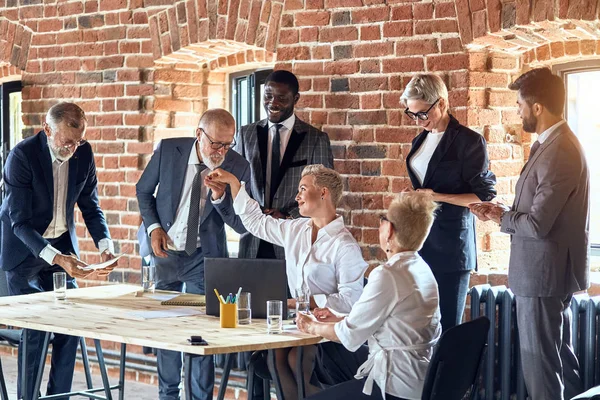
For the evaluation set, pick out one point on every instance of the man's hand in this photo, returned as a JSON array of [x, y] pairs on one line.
[[107, 256], [274, 213], [489, 211], [217, 188], [159, 240], [72, 265]]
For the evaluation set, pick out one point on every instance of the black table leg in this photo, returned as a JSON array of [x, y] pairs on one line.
[[225, 376], [187, 375], [102, 365], [40, 371], [300, 371], [122, 371], [274, 374], [23, 352], [86, 365]]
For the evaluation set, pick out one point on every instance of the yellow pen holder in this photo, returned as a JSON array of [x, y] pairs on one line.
[[229, 315]]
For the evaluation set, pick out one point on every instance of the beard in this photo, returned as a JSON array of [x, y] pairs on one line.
[[61, 153], [212, 161], [530, 123]]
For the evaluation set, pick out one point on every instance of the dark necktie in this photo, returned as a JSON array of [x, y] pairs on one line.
[[193, 221], [534, 148], [275, 163]]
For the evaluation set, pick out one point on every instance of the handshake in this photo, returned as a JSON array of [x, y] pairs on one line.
[[487, 211]]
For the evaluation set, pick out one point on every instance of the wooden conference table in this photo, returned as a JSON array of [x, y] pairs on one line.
[[111, 313]]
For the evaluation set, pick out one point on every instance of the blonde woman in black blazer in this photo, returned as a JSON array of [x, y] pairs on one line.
[[449, 161]]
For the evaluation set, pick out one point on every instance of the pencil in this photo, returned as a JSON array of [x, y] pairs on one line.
[[219, 296]]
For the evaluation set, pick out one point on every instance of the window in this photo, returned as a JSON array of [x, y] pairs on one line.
[[247, 90], [582, 81], [11, 123]]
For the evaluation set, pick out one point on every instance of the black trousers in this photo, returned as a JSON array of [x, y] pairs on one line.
[[453, 288], [336, 364], [352, 390]]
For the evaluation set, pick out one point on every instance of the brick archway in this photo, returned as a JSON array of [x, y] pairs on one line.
[[15, 41], [187, 22]]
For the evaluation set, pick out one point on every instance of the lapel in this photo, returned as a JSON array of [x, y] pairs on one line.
[[46, 164], [208, 205], [181, 155], [441, 149], [73, 167], [531, 162], [296, 138], [416, 145]]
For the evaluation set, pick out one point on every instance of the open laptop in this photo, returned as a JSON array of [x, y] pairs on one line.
[[265, 279]]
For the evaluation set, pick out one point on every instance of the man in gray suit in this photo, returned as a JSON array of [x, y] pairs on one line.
[[185, 223], [549, 225], [278, 148]]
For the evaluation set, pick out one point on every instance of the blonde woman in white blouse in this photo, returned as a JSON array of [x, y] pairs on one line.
[[320, 253], [398, 311]]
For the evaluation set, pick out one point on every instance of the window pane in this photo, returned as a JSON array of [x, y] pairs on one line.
[[584, 119], [244, 101], [263, 113], [16, 122]]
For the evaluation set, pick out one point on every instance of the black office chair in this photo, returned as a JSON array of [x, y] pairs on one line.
[[454, 367]]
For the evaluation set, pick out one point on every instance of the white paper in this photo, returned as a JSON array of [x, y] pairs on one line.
[[102, 264], [166, 313], [160, 297]]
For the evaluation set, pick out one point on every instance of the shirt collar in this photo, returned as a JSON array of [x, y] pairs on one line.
[[403, 254], [194, 155], [53, 157], [332, 228], [287, 124], [546, 134]]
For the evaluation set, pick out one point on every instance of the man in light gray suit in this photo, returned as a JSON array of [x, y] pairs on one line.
[[184, 221], [549, 225]]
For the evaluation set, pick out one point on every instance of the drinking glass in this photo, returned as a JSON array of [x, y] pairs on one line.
[[148, 280], [274, 316], [60, 285], [302, 300], [244, 309]]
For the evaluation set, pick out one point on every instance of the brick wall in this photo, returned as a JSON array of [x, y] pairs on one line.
[[146, 69]]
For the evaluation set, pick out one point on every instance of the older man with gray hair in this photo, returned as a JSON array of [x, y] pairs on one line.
[[45, 176]]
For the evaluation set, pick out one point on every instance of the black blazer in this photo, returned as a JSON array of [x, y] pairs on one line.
[[458, 165]]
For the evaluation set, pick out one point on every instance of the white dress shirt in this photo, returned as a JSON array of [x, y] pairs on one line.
[[419, 162], [284, 137], [544, 135], [399, 315], [178, 231], [332, 267], [58, 225]]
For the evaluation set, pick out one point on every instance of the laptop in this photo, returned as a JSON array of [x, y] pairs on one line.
[[265, 279]]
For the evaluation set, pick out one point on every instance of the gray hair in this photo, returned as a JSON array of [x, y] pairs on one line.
[[70, 113], [426, 87], [411, 215], [327, 178]]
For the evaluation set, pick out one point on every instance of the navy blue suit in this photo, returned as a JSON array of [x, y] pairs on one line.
[[167, 169], [458, 165], [26, 213]]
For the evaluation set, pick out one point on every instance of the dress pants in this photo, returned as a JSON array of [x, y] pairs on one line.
[[452, 288], [352, 390], [336, 364], [172, 273], [34, 275], [550, 367]]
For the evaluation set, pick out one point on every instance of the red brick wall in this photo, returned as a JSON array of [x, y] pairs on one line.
[[145, 69]]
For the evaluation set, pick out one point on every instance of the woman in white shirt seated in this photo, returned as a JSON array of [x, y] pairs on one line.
[[321, 254], [398, 311]]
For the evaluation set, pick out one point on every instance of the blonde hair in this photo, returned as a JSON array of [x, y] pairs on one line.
[[412, 214], [426, 87], [327, 178]]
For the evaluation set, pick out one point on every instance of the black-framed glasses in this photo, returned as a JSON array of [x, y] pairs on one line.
[[422, 115], [73, 145], [217, 145]]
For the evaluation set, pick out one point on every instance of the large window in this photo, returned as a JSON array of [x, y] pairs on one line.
[[11, 123], [247, 90], [582, 81]]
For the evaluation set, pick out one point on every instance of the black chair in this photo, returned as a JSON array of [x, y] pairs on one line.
[[454, 367]]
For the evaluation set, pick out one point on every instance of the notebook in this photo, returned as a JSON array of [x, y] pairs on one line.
[[185, 299]]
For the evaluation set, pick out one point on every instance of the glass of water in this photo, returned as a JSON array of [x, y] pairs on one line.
[[302, 300], [274, 316], [148, 278], [244, 309], [60, 285]]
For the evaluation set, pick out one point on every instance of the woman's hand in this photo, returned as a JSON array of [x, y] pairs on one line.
[[305, 323], [325, 315], [219, 175]]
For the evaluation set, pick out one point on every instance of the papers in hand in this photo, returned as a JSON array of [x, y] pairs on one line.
[[102, 265]]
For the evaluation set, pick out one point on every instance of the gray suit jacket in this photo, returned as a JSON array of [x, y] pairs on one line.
[[166, 170], [307, 145], [549, 221]]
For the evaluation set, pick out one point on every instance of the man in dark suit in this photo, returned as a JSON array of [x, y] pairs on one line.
[[45, 176], [549, 227], [278, 148], [185, 223]]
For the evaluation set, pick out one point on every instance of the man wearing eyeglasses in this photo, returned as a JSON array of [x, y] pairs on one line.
[[185, 222], [45, 176]]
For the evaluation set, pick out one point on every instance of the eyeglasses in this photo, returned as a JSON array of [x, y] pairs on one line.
[[217, 145], [422, 115], [73, 145]]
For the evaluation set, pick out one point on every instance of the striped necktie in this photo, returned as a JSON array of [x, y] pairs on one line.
[[193, 222]]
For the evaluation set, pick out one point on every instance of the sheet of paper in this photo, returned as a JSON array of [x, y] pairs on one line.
[[166, 313], [102, 264], [160, 296]]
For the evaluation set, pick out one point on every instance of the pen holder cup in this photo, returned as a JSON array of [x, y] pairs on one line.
[[229, 315]]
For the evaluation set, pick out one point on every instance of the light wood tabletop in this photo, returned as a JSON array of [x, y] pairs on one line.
[[108, 313]]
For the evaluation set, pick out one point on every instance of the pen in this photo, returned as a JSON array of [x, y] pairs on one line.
[[219, 296]]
